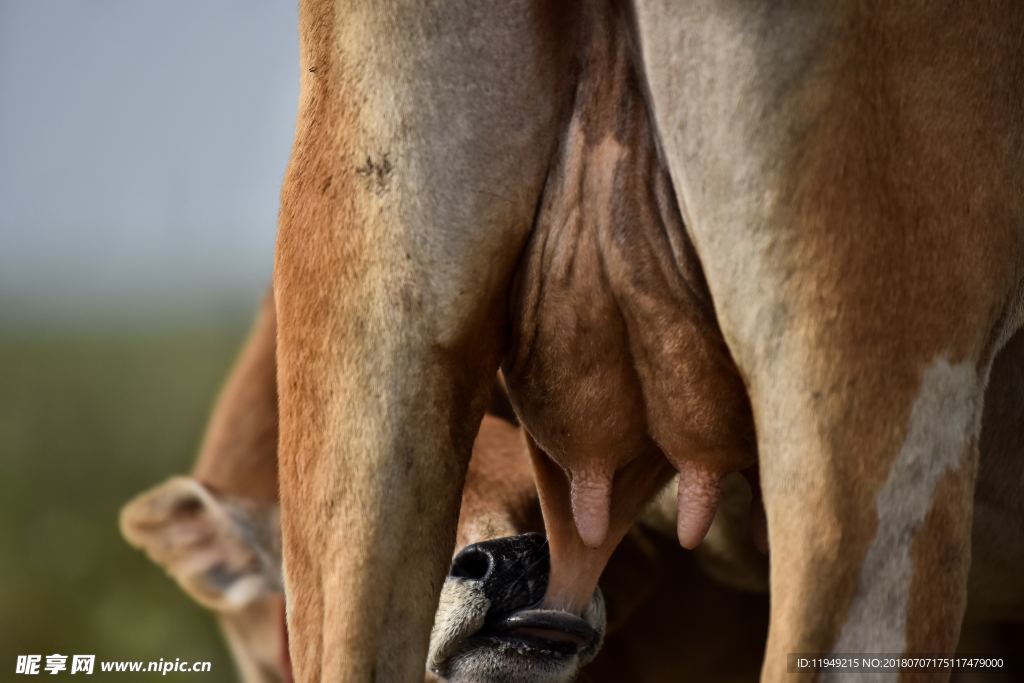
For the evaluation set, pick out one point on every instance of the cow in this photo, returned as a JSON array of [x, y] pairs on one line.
[[217, 533], [707, 237]]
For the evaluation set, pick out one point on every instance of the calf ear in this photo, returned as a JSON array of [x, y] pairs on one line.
[[224, 553]]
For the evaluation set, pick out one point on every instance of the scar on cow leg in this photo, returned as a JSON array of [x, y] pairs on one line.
[[377, 172]]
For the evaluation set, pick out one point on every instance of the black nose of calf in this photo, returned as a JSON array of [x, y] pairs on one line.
[[513, 571]]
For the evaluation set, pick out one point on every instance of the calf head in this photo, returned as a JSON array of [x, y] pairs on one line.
[[488, 625]]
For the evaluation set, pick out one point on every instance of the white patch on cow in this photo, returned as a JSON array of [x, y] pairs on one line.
[[944, 419]]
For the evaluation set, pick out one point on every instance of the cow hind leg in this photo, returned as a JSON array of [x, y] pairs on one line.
[[422, 141], [869, 514], [864, 271]]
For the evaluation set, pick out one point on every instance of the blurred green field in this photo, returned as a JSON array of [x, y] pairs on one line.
[[87, 420]]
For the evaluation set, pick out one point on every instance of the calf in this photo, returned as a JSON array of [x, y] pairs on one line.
[[217, 533]]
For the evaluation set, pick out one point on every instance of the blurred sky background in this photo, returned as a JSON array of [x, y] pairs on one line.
[[142, 147]]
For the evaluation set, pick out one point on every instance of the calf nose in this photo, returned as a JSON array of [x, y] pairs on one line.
[[513, 571]]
